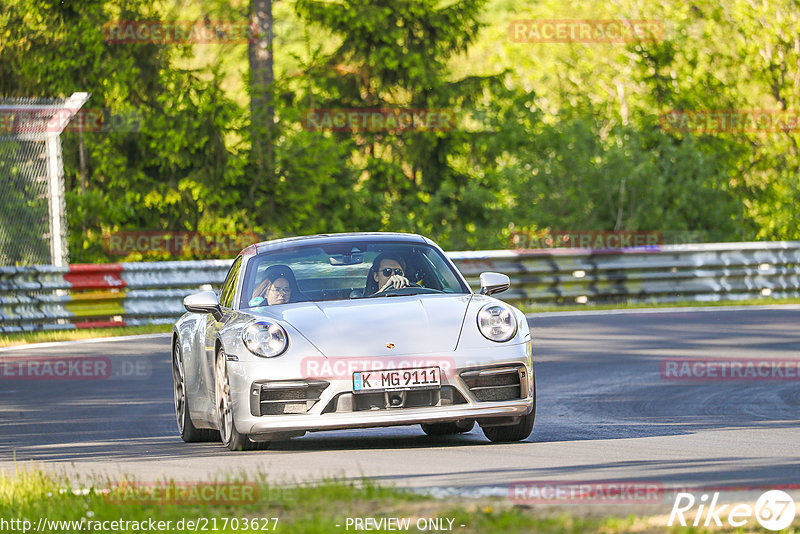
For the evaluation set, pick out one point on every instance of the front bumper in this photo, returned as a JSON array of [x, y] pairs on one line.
[[394, 417], [461, 402]]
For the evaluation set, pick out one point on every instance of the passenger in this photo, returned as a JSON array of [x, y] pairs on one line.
[[278, 287], [388, 271]]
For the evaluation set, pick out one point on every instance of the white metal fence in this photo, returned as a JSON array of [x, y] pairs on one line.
[[33, 226], [81, 296]]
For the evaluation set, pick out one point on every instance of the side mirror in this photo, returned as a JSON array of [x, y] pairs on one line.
[[492, 283], [204, 302]]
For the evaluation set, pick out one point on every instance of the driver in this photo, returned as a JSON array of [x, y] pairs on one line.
[[388, 271]]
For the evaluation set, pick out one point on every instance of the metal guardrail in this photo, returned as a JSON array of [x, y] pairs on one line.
[[45, 297], [91, 296]]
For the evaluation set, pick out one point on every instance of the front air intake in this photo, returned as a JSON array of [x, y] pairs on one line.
[[383, 400], [497, 384], [288, 397]]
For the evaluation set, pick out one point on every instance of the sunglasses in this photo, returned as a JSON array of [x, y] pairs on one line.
[[388, 271]]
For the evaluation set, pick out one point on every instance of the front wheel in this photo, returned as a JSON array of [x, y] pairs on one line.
[[515, 432], [231, 438], [189, 433]]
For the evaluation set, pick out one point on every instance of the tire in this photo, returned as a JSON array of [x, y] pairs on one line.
[[517, 432], [189, 433], [445, 429], [505, 434], [230, 437]]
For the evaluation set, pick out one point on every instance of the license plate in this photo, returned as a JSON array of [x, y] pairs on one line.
[[419, 378]]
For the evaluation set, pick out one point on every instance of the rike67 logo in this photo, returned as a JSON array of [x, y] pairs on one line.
[[774, 510]]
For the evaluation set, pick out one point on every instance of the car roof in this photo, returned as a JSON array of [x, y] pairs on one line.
[[316, 239]]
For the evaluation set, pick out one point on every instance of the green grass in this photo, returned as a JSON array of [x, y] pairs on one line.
[[23, 338], [546, 308], [30, 493]]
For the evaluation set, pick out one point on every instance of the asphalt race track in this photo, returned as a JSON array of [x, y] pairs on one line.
[[604, 413]]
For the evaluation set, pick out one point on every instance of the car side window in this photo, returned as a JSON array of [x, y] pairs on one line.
[[229, 286]]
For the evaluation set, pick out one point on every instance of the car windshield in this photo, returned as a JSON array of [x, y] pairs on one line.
[[342, 271]]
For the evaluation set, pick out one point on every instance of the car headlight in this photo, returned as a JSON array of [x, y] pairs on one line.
[[265, 338], [497, 322]]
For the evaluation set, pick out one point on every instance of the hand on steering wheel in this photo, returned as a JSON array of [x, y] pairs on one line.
[[394, 282]]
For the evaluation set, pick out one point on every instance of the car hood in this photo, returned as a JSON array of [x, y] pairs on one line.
[[416, 324]]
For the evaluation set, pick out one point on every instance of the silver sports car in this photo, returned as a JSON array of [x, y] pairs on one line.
[[350, 331]]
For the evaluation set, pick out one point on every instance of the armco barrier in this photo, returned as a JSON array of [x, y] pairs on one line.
[[81, 296], [44, 297]]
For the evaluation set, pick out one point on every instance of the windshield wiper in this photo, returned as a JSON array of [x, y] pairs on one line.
[[389, 294]]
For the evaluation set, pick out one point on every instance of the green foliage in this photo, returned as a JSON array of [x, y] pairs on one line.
[[313, 507], [560, 136], [395, 55]]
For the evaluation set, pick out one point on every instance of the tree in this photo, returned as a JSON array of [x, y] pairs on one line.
[[170, 167], [395, 55], [262, 113]]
